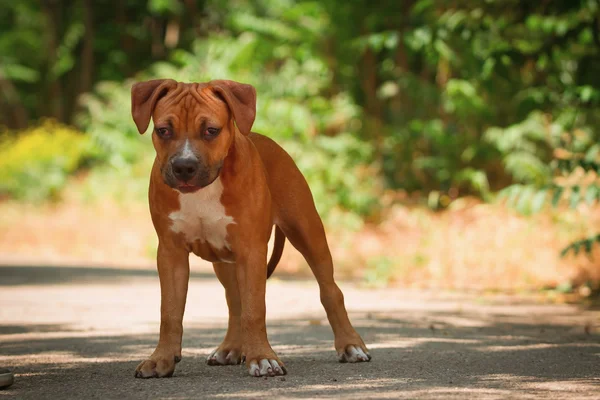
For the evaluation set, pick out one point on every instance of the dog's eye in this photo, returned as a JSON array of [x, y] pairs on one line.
[[211, 133], [164, 133]]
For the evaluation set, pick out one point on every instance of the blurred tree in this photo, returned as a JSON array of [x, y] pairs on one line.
[[435, 86], [432, 77], [55, 50]]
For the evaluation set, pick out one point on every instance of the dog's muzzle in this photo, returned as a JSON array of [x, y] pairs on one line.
[[188, 174], [185, 169]]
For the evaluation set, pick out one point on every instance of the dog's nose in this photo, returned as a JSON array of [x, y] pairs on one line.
[[185, 169]]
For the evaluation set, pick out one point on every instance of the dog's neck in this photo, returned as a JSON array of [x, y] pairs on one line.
[[238, 151]]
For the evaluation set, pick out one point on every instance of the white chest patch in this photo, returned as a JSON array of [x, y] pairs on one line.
[[201, 216]]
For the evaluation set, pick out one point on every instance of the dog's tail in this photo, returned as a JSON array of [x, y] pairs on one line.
[[277, 251]]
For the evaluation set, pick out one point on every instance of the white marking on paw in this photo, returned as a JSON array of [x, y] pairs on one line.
[[201, 216], [254, 370], [220, 357], [277, 368], [266, 368], [353, 354]]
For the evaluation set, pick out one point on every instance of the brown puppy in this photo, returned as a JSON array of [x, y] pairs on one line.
[[216, 190]]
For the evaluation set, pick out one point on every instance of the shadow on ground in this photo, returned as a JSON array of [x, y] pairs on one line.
[[500, 357], [56, 275], [476, 353]]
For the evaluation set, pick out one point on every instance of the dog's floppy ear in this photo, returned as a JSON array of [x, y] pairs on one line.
[[241, 99], [144, 96]]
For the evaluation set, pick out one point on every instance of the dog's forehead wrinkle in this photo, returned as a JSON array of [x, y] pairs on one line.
[[198, 110], [187, 109], [170, 119], [204, 94], [191, 101], [178, 96], [193, 109]]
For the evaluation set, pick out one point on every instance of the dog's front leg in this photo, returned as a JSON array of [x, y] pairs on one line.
[[261, 360], [173, 272]]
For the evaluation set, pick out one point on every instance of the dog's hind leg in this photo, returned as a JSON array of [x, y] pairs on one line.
[[296, 215], [306, 233]]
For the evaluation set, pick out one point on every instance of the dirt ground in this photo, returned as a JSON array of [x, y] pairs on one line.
[[72, 333]]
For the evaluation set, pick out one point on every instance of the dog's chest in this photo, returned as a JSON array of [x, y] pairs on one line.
[[202, 220]]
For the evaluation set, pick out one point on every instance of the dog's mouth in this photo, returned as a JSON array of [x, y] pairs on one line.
[[189, 187]]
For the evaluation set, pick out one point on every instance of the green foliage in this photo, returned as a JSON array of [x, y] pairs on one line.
[[526, 147], [452, 71], [572, 178], [35, 166], [53, 51], [106, 118], [585, 244], [444, 97], [338, 172], [164, 7], [124, 184], [380, 271]]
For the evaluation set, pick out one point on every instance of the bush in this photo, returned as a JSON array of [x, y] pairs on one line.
[[107, 120], [35, 164], [337, 170]]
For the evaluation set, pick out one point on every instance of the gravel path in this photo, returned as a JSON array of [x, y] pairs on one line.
[[79, 333]]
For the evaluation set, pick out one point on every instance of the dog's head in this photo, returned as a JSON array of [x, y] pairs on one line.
[[193, 126]]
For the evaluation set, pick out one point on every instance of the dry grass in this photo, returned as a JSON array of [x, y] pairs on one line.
[[474, 246], [469, 246], [75, 233]]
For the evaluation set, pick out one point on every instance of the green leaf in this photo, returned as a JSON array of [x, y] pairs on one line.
[[65, 57], [564, 287], [163, 7], [592, 153], [575, 196], [558, 191], [586, 93], [538, 200], [564, 166], [576, 246], [523, 204], [591, 194], [588, 245], [18, 72], [511, 194]]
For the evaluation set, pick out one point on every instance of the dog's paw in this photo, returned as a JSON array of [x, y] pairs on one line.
[[225, 356], [157, 367], [266, 367], [353, 354]]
